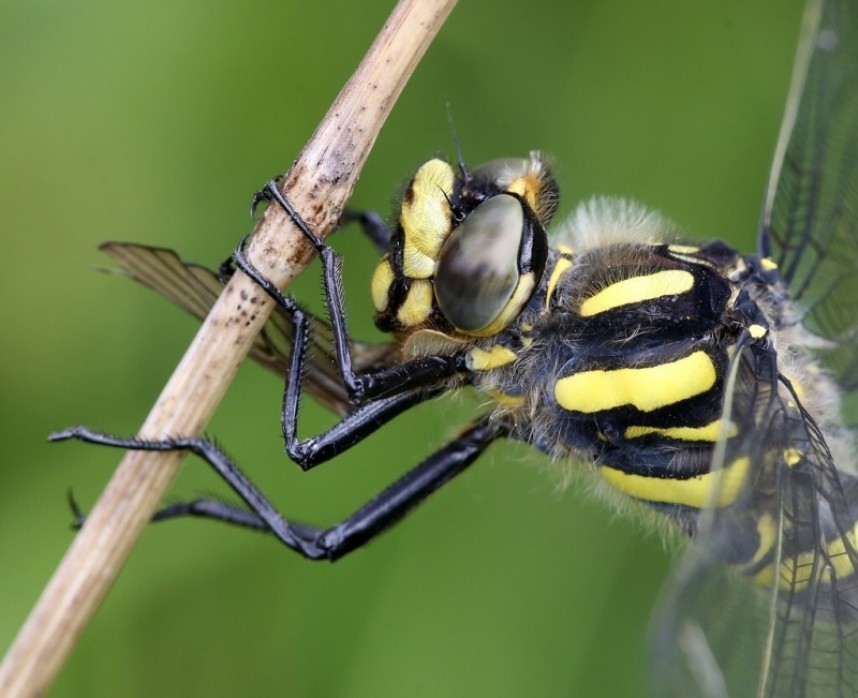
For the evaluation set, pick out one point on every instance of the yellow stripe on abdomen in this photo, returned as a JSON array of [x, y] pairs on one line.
[[719, 488], [670, 282], [830, 562], [647, 389], [708, 432]]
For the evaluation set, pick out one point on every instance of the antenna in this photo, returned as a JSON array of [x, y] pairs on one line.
[[463, 168]]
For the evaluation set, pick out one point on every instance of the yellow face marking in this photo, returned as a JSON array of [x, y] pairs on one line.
[[708, 432], [564, 249], [560, 268], [768, 264], [647, 389], [719, 488], [425, 218], [417, 305], [487, 359], [670, 282], [382, 277]]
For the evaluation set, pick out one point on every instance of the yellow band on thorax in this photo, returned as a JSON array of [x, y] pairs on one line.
[[647, 389], [670, 282]]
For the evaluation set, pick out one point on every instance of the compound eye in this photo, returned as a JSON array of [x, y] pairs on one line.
[[501, 170], [530, 179], [478, 268]]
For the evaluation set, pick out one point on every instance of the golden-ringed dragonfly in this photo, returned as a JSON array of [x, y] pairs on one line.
[[701, 382]]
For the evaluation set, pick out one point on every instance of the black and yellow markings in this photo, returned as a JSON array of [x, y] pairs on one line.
[[426, 222], [708, 432], [646, 389], [561, 266], [425, 218], [531, 179], [717, 488], [418, 303], [690, 254], [659, 284], [828, 562], [425, 272], [486, 359], [382, 278]]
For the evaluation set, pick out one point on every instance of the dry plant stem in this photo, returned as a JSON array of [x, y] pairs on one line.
[[319, 185]]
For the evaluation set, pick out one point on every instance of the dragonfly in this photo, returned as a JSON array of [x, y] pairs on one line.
[[703, 385]]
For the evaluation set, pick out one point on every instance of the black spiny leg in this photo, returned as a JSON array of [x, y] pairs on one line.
[[426, 370], [380, 396], [372, 225], [406, 385], [366, 419], [370, 222], [375, 516]]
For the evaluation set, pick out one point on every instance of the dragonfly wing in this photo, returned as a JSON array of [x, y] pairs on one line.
[[196, 288], [763, 603], [809, 223]]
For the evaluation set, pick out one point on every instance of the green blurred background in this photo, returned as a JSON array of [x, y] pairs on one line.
[[154, 122]]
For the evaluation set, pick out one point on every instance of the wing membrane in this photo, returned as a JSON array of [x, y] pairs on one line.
[[810, 219], [195, 289], [780, 617]]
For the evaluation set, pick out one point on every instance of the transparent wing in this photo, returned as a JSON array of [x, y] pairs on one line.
[[764, 602], [196, 288], [711, 625], [809, 223]]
